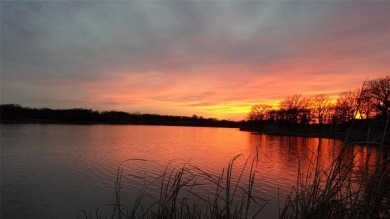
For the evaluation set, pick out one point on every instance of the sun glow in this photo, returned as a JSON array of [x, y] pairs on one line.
[[209, 64]]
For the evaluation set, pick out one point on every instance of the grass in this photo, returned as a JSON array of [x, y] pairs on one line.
[[179, 195], [344, 189], [339, 190]]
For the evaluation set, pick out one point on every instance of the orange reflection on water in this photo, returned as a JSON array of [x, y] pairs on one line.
[[86, 158], [281, 157]]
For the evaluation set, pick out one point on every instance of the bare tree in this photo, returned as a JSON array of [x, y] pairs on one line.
[[296, 109], [305, 111], [260, 112], [291, 105], [321, 105], [346, 106], [376, 94]]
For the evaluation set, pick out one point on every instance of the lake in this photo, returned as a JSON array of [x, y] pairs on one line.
[[56, 171]]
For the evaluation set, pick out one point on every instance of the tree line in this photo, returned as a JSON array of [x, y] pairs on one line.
[[17, 113], [370, 102]]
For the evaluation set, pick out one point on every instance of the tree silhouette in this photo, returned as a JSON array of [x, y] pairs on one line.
[[376, 93], [346, 106], [17, 113], [260, 113], [321, 108], [294, 109]]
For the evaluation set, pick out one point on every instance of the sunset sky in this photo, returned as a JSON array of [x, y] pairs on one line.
[[210, 58]]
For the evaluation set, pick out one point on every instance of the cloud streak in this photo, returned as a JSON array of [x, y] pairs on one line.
[[208, 58]]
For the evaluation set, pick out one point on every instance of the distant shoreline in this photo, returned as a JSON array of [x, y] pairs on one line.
[[369, 131], [12, 113], [50, 122]]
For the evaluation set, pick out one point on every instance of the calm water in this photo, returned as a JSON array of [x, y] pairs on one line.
[[54, 171]]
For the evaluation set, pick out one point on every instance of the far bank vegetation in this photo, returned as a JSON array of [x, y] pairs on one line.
[[368, 107]]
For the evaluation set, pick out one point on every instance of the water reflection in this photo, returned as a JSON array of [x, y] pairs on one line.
[[38, 162], [281, 155]]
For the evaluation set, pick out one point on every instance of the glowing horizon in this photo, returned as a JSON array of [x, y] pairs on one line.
[[212, 59]]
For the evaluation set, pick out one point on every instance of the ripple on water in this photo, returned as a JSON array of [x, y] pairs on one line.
[[53, 171]]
